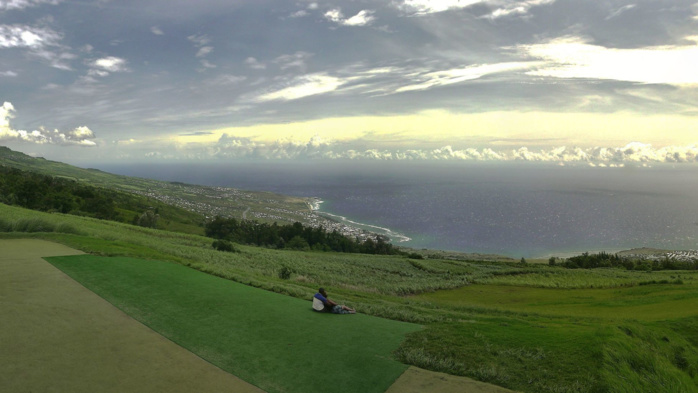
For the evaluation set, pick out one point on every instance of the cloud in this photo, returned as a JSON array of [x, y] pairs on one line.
[[516, 8], [574, 57], [304, 86], [620, 10], [363, 18], [500, 8], [79, 136], [20, 36], [204, 50], [299, 14], [22, 4], [334, 15], [8, 74], [156, 30], [423, 7], [254, 64], [110, 64], [41, 42], [230, 146], [106, 65], [206, 64], [296, 60], [457, 75], [201, 41]]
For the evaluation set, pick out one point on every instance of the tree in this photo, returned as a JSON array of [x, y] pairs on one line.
[[148, 219], [298, 243]]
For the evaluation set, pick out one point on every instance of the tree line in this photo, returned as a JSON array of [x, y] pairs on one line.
[[604, 259], [294, 236], [53, 194]]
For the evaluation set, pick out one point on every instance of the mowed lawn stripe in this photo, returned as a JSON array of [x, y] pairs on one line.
[[272, 341]]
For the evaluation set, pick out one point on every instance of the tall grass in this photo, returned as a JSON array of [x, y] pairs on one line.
[[35, 224]]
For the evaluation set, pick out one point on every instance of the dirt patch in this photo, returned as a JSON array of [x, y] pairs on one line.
[[417, 380], [58, 336]]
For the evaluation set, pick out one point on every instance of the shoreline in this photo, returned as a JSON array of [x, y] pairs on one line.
[[315, 204]]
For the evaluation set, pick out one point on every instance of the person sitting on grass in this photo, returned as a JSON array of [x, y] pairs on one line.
[[322, 304]]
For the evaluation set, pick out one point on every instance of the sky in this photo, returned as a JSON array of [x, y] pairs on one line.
[[600, 83]]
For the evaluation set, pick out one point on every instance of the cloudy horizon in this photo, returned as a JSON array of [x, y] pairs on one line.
[[596, 83]]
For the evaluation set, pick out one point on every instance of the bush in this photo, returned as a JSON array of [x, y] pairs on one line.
[[285, 273], [414, 255], [223, 245], [148, 219]]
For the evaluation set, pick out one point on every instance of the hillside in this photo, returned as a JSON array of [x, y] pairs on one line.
[[206, 201]]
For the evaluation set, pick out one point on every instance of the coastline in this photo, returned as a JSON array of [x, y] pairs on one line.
[[316, 203]]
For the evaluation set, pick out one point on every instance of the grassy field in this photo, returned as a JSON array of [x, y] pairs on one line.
[[531, 328], [646, 303], [272, 341]]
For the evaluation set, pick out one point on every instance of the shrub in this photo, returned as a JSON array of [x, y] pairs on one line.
[[414, 255], [223, 245], [148, 219], [285, 273]]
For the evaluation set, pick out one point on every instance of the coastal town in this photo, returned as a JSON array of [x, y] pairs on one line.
[[234, 203], [659, 255]]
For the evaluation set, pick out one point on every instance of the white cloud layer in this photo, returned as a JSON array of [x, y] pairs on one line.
[[634, 153], [574, 57], [79, 136]]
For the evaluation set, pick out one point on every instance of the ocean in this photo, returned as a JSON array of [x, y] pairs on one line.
[[518, 210]]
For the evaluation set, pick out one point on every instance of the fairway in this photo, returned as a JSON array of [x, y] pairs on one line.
[[646, 303], [270, 340]]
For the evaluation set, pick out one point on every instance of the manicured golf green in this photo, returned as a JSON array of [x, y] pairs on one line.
[[272, 341]]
